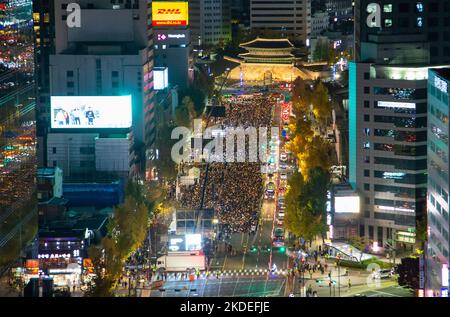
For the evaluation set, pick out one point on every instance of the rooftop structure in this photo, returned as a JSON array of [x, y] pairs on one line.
[[268, 51]]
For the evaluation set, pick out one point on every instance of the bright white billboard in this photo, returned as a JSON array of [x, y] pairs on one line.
[[93, 112], [193, 241], [346, 204], [160, 78]]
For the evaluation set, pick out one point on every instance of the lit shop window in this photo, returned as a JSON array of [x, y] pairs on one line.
[[387, 8], [419, 22], [419, 7], [388, 23]]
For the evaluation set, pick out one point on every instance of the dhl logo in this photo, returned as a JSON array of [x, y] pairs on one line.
[[169, 11]]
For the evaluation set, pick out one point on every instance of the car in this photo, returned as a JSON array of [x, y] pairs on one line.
[[383, 274], [270, 190], [281, 190], [278, 232], [283, 176], [283, 166], [280, 201], [281, 214], [283, 157], [280, 221]]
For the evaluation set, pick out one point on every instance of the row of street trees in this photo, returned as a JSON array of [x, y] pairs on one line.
[[126, 231], [307, 188]]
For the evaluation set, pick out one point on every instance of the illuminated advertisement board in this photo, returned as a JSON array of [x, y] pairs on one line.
[[193, 242], [346, 204], [166, 13], [92, 112], [160, 78]]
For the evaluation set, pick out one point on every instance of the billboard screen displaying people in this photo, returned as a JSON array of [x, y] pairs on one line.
[[99, 112]]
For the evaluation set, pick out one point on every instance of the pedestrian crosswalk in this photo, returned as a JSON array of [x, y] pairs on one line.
[[230, 273]]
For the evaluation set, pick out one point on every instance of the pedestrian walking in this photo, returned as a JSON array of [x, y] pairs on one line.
[[349, 283]]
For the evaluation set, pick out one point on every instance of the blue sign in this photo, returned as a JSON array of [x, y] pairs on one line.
[[444, 292]]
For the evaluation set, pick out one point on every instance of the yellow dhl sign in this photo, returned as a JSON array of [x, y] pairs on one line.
[[170, 13]]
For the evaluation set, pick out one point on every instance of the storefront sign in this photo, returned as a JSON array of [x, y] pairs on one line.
[[54, 256]]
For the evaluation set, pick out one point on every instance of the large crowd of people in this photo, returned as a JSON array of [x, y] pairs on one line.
[[233, 189]]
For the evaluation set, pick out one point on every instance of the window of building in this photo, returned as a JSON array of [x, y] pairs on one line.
[[380, 235], [367, 200], [367, 90], [69, 73], [366, 131], [366, 159], [387, 23], [54, 150], [366, 75], [367, 187], [419, 22], [70, 84], [366, 145], [366, 117], [362, 230], [367, 213], [54, 163], [366, 173], [371, 232], [366, 104], [387, 8], [419, 7]]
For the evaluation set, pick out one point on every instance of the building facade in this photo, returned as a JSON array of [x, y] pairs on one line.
[[111, 58], [210, 22], [340, 8], [289, 19], [320, 21], [438, 246], [173, 50], [388, 117]]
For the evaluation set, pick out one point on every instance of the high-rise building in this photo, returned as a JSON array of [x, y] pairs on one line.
[[109, 54], [210, 22], [428, 18], [44, 30], [172, 41], [18, 215], [290, 19], [388, 116], [339, 8], [240, 12], [438, 246]]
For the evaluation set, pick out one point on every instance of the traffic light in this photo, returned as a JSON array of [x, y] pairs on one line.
[[253, 248], [282, 249]]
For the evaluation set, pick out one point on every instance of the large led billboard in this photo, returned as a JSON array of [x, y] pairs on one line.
[[93, 112], [165, 13], [346, 204]]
